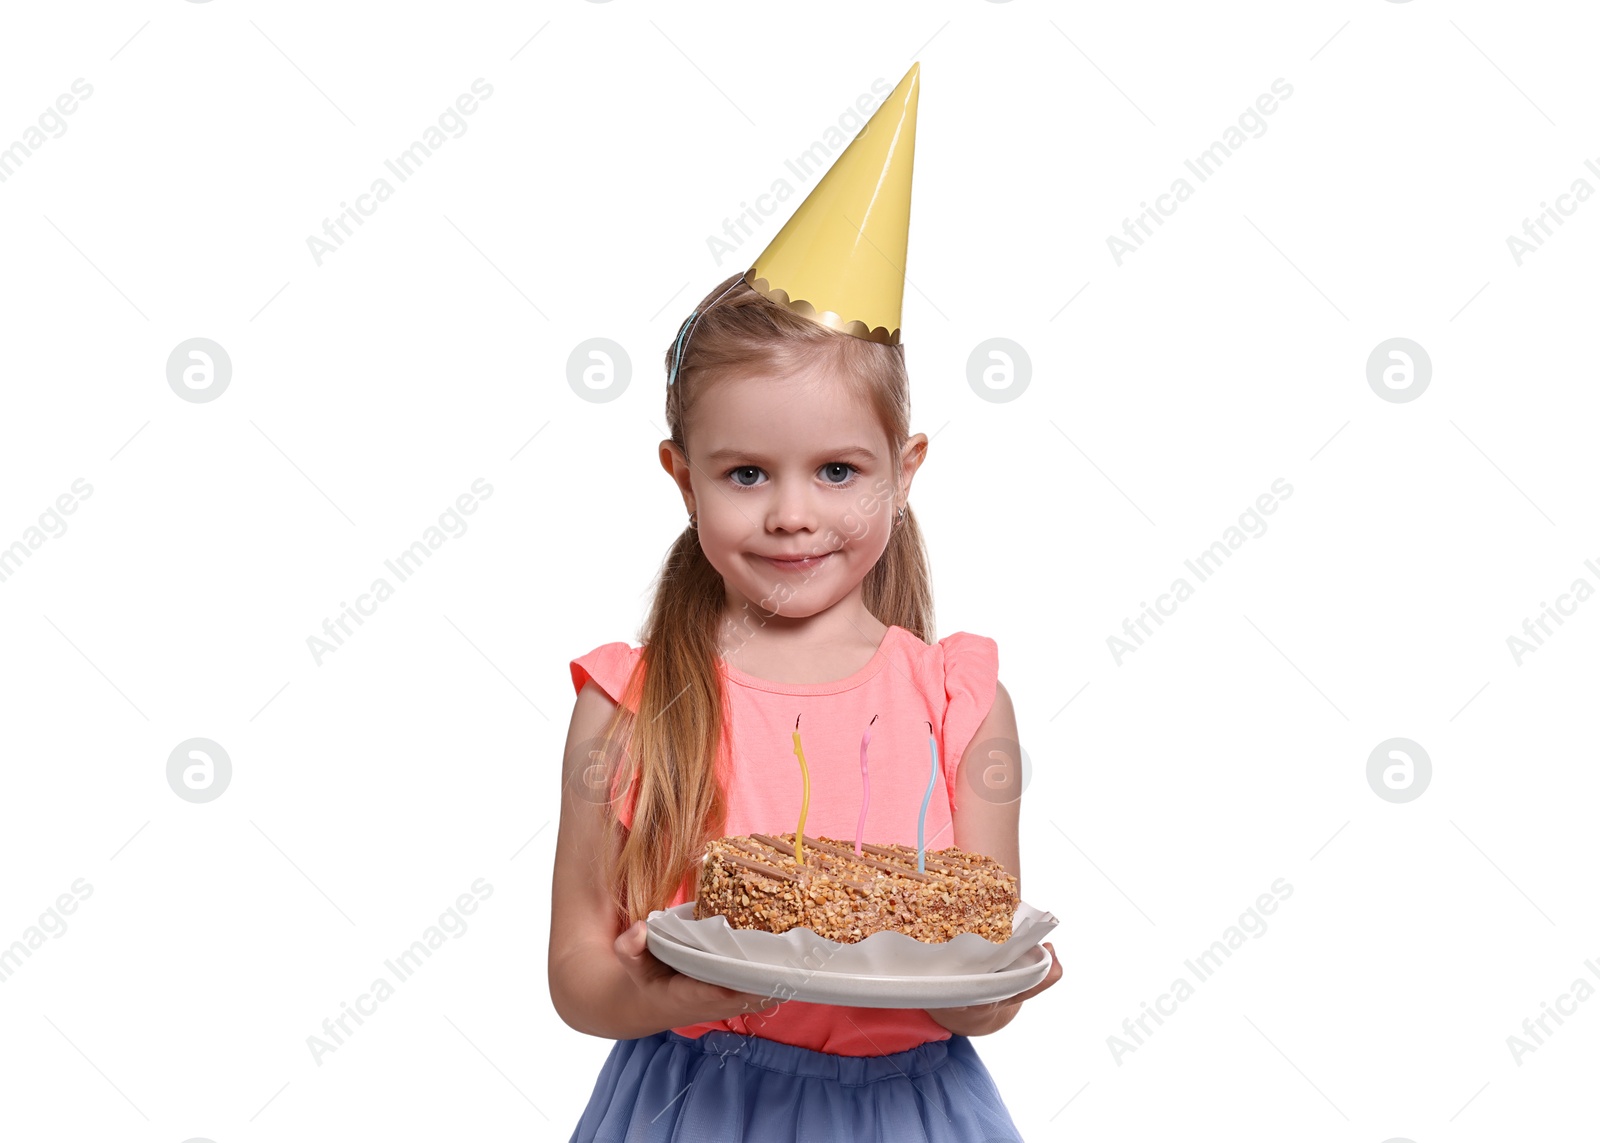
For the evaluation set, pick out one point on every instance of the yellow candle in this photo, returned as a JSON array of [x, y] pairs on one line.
[[805, 794]]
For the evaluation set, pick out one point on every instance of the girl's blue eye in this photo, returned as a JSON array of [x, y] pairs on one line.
[[827, 470]]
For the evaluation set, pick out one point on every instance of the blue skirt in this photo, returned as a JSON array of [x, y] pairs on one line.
[[725, 1086]]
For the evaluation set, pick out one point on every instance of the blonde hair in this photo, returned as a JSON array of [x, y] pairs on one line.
[[675, 750]]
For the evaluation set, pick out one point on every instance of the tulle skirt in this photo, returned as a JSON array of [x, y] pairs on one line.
[[724, 1087]]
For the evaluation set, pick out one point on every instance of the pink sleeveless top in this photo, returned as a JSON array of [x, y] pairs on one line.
[[907, 684]]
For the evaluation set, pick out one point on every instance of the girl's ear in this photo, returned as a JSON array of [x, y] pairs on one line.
[[677, 466], [912, 456]]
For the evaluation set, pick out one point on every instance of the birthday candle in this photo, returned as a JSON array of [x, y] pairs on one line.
[[866, 787], [805, 794], [922, 817]]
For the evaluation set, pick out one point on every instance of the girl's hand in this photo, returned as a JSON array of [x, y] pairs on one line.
[[678, 999], [981, 1019]]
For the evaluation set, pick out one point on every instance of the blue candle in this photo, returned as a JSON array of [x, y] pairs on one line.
[[922, 818]]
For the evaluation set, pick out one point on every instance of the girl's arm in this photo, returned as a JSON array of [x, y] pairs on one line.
[[983, 825], [603, 980]]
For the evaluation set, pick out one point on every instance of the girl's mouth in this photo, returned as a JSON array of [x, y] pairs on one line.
[[795, 565]]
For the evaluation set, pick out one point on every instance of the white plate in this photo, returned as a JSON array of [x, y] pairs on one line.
[[885, 953], [782, 982]]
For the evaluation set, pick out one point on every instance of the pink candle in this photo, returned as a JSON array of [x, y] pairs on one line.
[[866, 788]]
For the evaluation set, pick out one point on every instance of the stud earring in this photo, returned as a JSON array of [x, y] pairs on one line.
[[693, 523], [900, 517]]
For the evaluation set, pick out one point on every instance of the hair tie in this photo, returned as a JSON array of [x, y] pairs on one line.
[[677, 349], [688, 327]]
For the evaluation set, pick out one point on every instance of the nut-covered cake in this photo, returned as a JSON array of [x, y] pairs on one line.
[[755, 882]]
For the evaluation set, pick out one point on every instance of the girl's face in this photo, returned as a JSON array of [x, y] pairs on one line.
[[786, 469]]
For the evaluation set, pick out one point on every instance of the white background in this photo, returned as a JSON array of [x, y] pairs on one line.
[[1168, 790]]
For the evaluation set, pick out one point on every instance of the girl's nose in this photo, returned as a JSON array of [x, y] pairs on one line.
[[791, 508]]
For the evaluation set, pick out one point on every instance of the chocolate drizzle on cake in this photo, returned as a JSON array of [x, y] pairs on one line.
[[760, 867]]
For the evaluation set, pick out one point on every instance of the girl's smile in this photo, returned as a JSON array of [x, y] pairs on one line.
[[796, 564]]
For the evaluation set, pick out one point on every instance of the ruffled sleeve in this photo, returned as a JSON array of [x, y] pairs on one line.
[[971, 669], [609, 665]]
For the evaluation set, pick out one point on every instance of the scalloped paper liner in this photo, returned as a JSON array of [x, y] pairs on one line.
[[882, 954]]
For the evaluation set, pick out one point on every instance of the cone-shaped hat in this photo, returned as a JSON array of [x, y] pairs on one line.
[[841, 259]]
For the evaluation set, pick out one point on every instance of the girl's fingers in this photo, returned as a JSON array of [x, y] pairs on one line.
[[626, 943], [1055, 966], [634, 953], [733, 996], [1049, 978], [633, 950]]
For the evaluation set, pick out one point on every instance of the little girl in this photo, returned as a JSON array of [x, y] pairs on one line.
[[799, 589]]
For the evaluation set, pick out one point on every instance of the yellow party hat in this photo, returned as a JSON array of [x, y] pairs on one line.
[[841, 259]]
